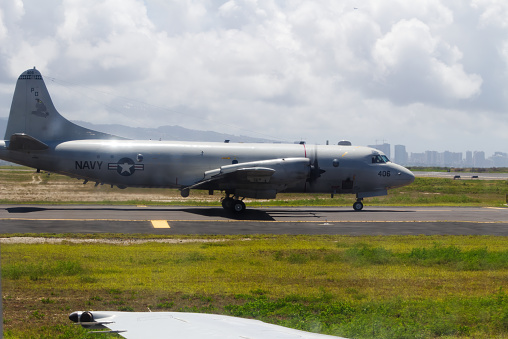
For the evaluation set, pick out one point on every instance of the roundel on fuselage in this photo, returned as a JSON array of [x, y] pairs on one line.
[[125, 167]]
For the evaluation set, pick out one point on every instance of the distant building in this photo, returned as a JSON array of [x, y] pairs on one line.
[[479, 159], [499, 159], [432, 158], [400, 155], [452, 159], [417, 159], [385, 148], [469, 159]]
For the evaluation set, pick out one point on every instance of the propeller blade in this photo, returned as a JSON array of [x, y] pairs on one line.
[[315, 171]]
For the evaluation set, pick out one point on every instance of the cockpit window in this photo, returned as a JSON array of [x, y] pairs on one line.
[[379, 159]]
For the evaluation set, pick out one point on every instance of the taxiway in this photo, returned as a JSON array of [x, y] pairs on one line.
[[208, 220]]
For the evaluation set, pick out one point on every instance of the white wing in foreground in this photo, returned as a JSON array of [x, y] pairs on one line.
[[162, 325]]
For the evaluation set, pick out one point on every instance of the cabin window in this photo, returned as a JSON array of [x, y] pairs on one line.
[[379, 159], [335, 162]]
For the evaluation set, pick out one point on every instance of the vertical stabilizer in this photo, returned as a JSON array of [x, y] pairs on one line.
[[33, 113]]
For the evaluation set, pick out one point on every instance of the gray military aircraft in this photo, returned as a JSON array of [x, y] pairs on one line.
[[38, 136]]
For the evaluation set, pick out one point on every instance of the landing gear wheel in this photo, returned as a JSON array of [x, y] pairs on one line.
[[227, 203], [238, 206], [358, 206]]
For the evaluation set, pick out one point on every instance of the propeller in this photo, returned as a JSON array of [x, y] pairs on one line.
[[315, 171]]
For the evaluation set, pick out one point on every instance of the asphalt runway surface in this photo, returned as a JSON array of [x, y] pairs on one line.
[[276, 220]]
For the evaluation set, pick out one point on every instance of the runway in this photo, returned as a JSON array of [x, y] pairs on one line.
[[280, 220]]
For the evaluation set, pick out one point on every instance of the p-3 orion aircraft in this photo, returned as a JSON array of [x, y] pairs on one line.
[[38, 136]]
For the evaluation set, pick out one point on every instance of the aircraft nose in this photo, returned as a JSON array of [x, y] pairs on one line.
[[404, 176]]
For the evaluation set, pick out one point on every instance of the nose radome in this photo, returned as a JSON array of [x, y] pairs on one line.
[[405, 175]]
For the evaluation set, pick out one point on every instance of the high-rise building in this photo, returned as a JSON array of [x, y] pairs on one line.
[[400, 155], [432, 158], [479, 159], [453, 159], [469, 159], [500, 159]]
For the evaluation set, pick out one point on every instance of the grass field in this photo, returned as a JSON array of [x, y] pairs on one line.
[[357, 287], [23, 185]]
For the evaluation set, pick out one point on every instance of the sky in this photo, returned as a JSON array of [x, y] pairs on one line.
[[428, 74]]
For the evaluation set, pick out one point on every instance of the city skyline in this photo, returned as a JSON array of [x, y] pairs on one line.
[[433, 158]]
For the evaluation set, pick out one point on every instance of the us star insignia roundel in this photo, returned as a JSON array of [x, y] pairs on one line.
[[126, 167]]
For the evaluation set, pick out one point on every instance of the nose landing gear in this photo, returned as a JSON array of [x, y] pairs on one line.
[[358, 205]]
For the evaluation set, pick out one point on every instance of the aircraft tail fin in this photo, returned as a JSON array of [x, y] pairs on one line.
[[33, 114]]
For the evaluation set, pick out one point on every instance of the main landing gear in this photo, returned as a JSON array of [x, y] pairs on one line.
[[358, 205], [234, 205]]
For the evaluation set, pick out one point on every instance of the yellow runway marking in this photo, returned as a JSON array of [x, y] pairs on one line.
[[160, 224]]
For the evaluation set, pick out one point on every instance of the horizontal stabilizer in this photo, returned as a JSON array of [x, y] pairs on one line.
[[24, 142]]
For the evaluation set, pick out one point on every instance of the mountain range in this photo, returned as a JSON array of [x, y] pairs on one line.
[[176, 133], [160, 133]]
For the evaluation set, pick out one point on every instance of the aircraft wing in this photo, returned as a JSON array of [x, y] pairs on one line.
[[237, 175], [257, 175], [162, 325]]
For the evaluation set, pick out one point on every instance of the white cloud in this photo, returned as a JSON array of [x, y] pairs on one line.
[[493, 12], [436, 14], [10, 11], [395, 70], [415, 66], [108, 40]]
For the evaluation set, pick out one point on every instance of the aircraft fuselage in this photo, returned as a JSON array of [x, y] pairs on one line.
[[172, 164]]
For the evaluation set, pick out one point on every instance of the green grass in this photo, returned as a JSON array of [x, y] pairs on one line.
[[42, 269], [361, 287]]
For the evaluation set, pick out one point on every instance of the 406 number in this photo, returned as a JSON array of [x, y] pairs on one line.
[[384, 173]]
